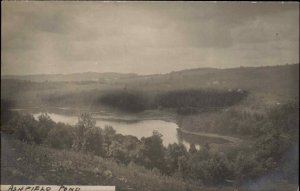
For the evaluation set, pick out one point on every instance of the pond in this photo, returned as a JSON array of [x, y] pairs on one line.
[[123, 125]]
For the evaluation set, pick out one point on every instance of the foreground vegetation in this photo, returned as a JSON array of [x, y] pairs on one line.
[[23, 163], [273, 157]]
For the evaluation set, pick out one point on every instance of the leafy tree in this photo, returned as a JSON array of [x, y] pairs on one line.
[[192, 149], [285, 119], [60, 136], [6, 113], [173, 153], [26, 129], [88, 137], [85, 123], [183, 166], [119, 153], [151, 152], [217, 170], [45, 124], [247, 168], [93, 141], [109, 134]]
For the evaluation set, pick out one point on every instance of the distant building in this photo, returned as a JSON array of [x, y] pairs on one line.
[[240, 90]]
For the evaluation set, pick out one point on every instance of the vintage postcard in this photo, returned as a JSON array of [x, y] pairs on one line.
[[149, 96]]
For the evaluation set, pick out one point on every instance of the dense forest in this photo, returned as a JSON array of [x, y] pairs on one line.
[[274, 154], [191, 101], [186, 101], [125, 100]]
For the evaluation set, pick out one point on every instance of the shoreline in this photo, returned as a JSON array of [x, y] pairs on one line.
[[112, 115], [232, 140]]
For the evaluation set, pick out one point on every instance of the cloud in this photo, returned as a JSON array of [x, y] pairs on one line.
[[145, 37]]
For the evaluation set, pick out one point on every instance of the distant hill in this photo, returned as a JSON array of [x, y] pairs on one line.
[[281, 79], [267, 85], [86, 76]]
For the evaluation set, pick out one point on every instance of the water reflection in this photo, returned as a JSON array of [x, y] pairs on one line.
[[139, 129], [127, 125]]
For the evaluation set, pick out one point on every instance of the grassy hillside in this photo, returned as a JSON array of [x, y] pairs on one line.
[[31, 164], [272, 158]]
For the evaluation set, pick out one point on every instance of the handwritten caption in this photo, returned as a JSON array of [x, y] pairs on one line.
[[55, 188]]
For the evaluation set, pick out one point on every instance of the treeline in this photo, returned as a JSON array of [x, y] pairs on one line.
[[191, 101], [274, 154], [125, 100], [70, 98], [182, 101], [187, 101], [253, 125]]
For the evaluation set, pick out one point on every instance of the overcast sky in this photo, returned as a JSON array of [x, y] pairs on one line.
[[145, 37]]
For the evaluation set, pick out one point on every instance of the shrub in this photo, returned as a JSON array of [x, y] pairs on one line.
[[26, 129], [45, 124], [93, 141], [60, 137], [85, 122], [88, 137]]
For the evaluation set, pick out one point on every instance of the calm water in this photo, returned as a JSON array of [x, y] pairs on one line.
[[142, 128]]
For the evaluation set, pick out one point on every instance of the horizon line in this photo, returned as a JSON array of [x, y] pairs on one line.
[[140, 74]]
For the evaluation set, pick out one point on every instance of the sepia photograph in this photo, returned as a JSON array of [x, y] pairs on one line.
[[149, 96]]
